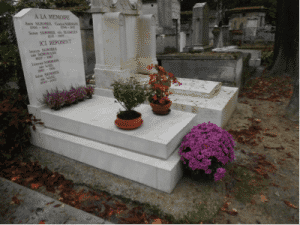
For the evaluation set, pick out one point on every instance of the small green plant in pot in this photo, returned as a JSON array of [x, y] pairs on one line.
[[131, 94]]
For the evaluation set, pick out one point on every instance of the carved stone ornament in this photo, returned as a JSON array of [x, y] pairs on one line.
[[123, 6]]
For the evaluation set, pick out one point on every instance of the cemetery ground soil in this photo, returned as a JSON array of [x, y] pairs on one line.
[[260, 186]]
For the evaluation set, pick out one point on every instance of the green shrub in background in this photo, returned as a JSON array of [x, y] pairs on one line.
[[170, 50], [14, 124], [267, 58], [11, 68], [7, 45], [10, 61], [10, 64]]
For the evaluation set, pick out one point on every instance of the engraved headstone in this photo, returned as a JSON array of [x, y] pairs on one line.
[[50, 47]]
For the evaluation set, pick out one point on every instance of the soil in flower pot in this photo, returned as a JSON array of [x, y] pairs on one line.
[[129, 120]]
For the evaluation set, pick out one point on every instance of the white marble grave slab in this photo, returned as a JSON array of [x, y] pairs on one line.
[[196, 88], [191, 87]]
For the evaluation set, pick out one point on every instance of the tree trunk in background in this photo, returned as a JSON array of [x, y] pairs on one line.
[[286, 51], [278, 32]]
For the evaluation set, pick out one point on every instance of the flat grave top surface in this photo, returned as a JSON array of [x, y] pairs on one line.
[[254, 53], [194, 87], [102, 112], [201, 88]]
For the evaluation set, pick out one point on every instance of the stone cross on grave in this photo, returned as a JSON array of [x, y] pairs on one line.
[[125, 40]]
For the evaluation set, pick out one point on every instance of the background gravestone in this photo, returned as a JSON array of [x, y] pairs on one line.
[[50, 47], [251, 27], [200, 29], [200, 26]]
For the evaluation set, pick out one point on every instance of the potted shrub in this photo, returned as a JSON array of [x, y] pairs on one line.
[[131, 94], [160, 82]]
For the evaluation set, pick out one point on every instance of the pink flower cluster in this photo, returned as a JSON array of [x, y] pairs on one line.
[[202, 143]]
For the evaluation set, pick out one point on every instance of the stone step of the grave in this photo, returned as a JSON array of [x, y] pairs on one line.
[[161, 174], [95, 118]]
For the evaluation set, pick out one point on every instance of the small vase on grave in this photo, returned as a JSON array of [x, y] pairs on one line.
[[160, 109]]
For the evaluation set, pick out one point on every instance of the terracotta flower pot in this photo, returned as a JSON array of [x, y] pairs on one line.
[[129, 120], [200, 175], [197, 175], [161, 109]]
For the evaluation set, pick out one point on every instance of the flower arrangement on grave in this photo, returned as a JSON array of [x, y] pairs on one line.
[[160, 82], [205, 150], [56, 100], [131, 94]]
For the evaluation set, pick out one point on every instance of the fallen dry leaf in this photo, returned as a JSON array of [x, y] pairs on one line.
[[157, 221], [36, 186], [225, 206], [263, 198], [290, 204], [15, 200], [15, 178], [233, 212], [50, 203]]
